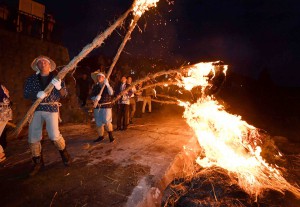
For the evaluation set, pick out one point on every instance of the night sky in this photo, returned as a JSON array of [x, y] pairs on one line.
[[248, 35]]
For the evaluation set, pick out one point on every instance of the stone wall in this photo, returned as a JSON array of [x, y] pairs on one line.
[[16, 54]]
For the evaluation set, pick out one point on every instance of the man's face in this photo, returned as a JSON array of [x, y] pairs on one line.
[[129, 80], [100, 78], [44, 66], [123, 79]]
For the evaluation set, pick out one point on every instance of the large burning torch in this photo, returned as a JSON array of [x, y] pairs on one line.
[[139, 7]]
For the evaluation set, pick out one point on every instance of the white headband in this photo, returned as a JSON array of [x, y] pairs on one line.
[[38, 70], [43, 59], [101, 74]]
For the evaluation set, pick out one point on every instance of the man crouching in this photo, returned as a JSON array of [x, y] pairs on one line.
[[47, 110]]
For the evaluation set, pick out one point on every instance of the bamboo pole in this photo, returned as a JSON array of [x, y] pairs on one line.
[[148, 86], [116, 58], [98, 40], [167, 97], [182, 69], [140, 6], [165, 102]]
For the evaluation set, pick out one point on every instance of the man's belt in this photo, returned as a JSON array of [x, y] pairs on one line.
[[52, 103]]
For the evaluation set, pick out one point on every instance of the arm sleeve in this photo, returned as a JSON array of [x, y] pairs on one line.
[[110, 90]]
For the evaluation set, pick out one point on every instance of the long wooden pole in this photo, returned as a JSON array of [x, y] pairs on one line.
[[85, 51], [116, 58], [182, 69], [142, 7]]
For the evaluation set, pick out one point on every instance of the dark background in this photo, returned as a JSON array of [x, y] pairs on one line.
[[250, 36], [258, 39]]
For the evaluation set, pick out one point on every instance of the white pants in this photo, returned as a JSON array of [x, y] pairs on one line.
[[146, 100], [36, 129], [36, 126], [103, 116]]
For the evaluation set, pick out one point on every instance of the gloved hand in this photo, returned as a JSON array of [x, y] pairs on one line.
[[41, 95], [97, 98], [56, 83], [106, 82]]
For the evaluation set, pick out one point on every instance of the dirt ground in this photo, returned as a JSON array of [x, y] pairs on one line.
[[102, 174], [104, 184]]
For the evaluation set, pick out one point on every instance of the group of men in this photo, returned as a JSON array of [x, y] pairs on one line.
[[131, 99], [48, 109]]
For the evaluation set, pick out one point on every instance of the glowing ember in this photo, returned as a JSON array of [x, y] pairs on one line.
[[140, 6], [228, 141]]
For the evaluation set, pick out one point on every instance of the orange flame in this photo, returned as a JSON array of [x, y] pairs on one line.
[[198, 77], [228, 141], [140, 6]]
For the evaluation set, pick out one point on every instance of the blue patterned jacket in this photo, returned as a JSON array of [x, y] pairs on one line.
[[33, 85], [105, 97]]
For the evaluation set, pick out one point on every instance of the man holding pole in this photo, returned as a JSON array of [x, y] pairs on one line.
[[47, 110], [103, 110], [123, 104]]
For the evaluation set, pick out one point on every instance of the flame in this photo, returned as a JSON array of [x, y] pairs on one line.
[[140, 6], [198, 77], [228, 141]]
